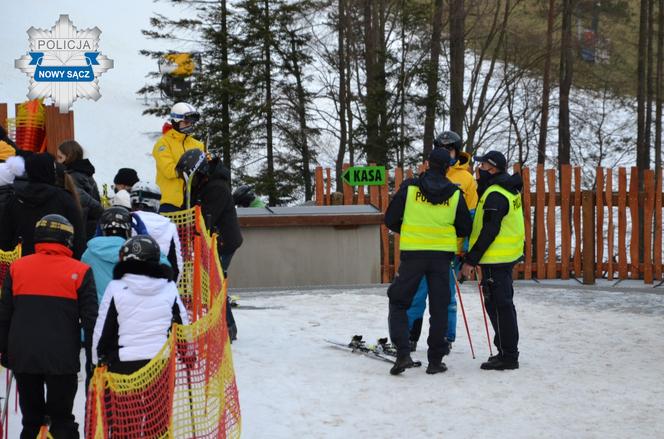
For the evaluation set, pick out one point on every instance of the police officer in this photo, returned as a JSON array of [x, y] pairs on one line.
[[430, 213], [496, 245]]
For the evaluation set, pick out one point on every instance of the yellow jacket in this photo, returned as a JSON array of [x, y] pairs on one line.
[[6, 151], [459, 174], [166, 152]]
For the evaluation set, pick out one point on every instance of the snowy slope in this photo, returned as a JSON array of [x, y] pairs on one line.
[[112, 130]]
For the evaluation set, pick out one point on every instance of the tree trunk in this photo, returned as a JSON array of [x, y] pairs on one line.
[[271, 183], [372, 111], [402, 86], [650, 87], [457, 66], [432, 77], [342, 94], [642, 148], [350, 55], [546, 85], [660, 87], [566, 70], [381, 93]]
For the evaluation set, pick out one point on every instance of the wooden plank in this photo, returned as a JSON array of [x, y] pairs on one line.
[[577, 221], [59, 127], [588, 238], [539, 222], [622, 223], [3, 115], [347, 189], [599, 190], [610, 226], [551, 225], [328, 186], [565, 224], [374, 194], [657, 244], [360, 195], [633, 198], [398, 179], [516, 169], [320, 199], [384, 232], [648, 206], [528, 253]]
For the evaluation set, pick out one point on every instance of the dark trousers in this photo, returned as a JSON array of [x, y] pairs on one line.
[[225, 259], [498, 297], [57, 404], [401, 294], [167, 208]]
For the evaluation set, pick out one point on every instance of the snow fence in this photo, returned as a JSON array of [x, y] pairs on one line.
[[188, 390]]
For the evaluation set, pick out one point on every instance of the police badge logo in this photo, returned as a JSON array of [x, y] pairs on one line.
[[64, 63]]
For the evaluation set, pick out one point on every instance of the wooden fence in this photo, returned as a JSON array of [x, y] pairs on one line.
[[570, 232]]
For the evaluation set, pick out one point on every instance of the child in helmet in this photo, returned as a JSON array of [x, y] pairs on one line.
[[45, 300], [244, 196], [138, 308], [145, 203], [167, 151]]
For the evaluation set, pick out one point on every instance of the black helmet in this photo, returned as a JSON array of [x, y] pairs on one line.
[[243, 196], [142, 248], [191, 162], [448, 139], [54, 228], [116, 221]]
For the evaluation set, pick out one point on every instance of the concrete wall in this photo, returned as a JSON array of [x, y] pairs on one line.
[[306, 256]]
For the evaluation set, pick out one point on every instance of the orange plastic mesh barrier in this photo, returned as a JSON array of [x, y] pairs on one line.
[[188, 390], [6, 258], [30, 125]]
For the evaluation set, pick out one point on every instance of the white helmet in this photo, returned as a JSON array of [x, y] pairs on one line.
[[184, 111], [145, 196]]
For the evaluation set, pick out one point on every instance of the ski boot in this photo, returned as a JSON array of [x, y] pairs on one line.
[[403, 362]]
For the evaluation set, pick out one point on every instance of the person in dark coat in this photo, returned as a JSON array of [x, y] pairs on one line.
[[47, 298], [211, 191], [70, 154], [32, 200]]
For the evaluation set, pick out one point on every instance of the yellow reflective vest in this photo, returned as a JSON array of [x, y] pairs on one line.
[[428, 226], [508, 245], [166, 152]]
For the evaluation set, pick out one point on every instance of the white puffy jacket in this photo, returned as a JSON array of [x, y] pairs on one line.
[[136, 314], [165, 233]]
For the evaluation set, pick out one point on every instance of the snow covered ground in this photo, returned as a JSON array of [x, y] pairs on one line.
[[591, 367]]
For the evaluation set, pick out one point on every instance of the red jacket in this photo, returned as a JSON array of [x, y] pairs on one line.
[[46, 298]]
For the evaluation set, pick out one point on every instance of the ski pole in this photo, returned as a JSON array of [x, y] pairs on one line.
[[463, 312], [478, 276]]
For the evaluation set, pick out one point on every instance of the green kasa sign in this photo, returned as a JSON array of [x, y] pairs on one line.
[[365, 176]]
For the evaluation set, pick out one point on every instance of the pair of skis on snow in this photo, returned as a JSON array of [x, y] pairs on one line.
[[382, 350]]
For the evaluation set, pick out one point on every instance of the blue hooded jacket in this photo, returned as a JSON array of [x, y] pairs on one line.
[[102, 254]]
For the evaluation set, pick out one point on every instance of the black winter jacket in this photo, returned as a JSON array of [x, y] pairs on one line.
[[46, 298], [495, 208], [82, 171], [216, 201], [437, 189], [30, 202]]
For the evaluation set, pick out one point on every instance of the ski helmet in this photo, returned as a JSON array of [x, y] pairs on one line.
[[192, 162], [54, 228], [115, 221], [145, 196], [243, 196], [448, 139], [183, 111], [142, 248]]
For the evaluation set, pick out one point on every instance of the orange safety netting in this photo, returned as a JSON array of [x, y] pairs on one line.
[[30, 123], [188, 390]]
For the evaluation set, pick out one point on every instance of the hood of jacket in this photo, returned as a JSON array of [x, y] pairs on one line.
[[157, 225], [83, 166], [435, 187], [144, 285], [106, 248], [511, 183], [35, 194], [145, 276], [462, 163]]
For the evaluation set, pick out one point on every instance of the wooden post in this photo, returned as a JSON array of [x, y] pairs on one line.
[[348, 189], [539, 222], [319, 186], [551, 225], [648, 205], [374, 196], [622, 223], [360, 195], [588, 238], [3, 116], [657, 245], [566, 233], [384, 237], [577, 221], [599, 190], [59, 127], [328, 186], [610, 226], [528, 253], [634, 214]]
